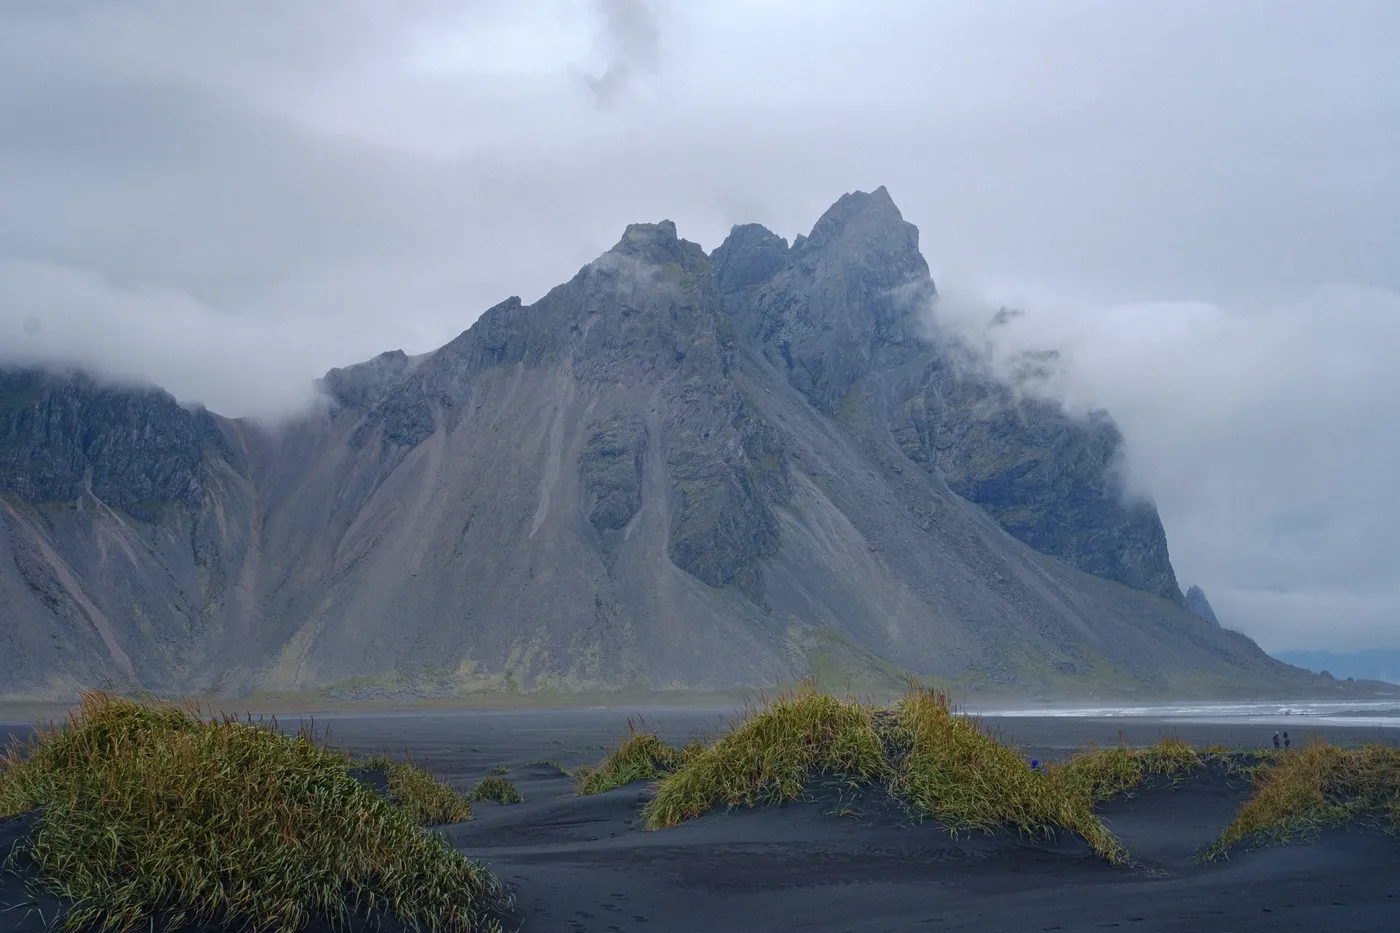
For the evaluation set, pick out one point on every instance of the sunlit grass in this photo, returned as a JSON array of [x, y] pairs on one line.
[[642, 756], [152, 815], [427, 800], [1100, 774], [769, 757], [938, 763], [1318, 785], [958, 774]]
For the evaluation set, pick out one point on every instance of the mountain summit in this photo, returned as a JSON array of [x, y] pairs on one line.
[[1196, 601], [674, 471]]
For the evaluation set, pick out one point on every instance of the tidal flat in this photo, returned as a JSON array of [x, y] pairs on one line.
[[847, 859]]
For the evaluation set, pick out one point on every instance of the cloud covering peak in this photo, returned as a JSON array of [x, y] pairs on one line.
[[1195, 202]]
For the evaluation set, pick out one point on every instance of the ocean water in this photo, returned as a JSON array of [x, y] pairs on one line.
[[1384, 713]]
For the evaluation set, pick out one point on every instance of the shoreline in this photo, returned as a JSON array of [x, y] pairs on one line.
[[1001, 707], [457, 736]]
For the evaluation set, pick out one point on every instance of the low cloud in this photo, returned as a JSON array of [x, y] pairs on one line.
[[629, 42], [56, 315], [232, 219], [1266, 436]]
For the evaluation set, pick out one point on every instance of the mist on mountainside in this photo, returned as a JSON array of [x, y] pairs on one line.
[[1211, 400], [676, 471], [1371, 664]]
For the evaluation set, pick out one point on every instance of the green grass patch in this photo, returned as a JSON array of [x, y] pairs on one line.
[[769, 757], [642, 756], [1100, 774], [498, 789], [499, 771], [957, 773], [1306, 789], [938, 763], [417, 792], [152, 814]]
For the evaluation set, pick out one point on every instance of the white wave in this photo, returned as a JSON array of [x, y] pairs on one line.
[[1383, 712]]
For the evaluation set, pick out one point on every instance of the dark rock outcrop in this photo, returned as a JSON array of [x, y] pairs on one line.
[[1198, 604], [611, 469], [1049, 479], [63, 436], [849, 303]]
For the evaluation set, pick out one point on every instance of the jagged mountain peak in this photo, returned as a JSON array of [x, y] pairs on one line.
[[1197, 602], [867, 225], [673, 470], [658, 243], [750, 255], [841, 301]]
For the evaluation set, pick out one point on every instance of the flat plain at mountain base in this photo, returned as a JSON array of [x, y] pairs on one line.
[[851, 862]]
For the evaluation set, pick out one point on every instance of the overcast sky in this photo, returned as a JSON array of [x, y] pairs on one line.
[[1199, 202]]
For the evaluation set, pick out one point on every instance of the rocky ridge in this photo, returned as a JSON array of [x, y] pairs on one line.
[[678, 470]]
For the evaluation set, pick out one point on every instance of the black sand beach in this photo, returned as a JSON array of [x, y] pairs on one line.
[[842, 863]]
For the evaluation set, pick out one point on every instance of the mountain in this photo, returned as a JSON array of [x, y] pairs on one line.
[[676, 471], [1196, 602], [1381, 664]]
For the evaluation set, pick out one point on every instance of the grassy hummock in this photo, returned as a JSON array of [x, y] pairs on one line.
[[427, 800], [154, 815], [1100, 774], [1316, 786], [498, 789], [938, 763], [963, 777], [768, 757], [642, 756]]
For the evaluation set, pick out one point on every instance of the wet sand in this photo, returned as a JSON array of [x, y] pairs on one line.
[[839, 863]]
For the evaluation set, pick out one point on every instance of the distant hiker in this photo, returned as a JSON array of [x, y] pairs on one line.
[[1037, 766], [1275, 740], [1286, 741]]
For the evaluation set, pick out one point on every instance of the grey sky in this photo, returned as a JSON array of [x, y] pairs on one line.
[[1198, 201]]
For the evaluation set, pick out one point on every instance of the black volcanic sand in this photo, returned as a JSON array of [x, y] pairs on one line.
[[843, 862]]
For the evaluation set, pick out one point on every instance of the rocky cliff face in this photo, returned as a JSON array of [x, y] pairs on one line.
[[845, 306], [115, 548], [674, 471]]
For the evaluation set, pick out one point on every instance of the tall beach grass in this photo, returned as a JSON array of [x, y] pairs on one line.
[[151, 813]]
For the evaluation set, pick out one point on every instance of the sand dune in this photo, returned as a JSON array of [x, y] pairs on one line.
[[853, 862]]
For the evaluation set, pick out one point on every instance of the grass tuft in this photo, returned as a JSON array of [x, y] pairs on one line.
[[642, 756], [768, 757], [956, 773], [942, 765], [429, 801], [498, 789], [151, 814], [1316, 786], [1104, 773]]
